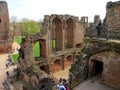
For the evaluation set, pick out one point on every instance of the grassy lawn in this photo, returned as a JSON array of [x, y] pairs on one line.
[[36, 49], [18, 39], [15, 56], [53, 44]]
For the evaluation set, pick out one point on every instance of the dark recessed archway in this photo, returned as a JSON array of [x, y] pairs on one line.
[[68, 61], [57, 62], [96, 67], [57, 65]]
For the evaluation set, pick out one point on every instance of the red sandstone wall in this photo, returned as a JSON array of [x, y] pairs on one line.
[[80, 31], [5, 45], [4, 20]]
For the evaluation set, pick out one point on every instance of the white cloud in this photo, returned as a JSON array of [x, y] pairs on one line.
[[36, 9]]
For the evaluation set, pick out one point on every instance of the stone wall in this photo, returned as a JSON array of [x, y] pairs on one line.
[[57, 28], [5, 43], [111, 64], [112, 20]]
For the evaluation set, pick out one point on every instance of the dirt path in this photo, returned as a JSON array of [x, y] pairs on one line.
[[3, 69], [62, 74]]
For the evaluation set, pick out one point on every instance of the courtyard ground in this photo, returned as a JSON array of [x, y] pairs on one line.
[[93, 84], [62, 74], [3, 69]]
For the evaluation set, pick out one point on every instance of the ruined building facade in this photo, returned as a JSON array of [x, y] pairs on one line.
[[61, 38], [5, 43]]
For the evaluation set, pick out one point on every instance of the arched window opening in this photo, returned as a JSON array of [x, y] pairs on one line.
[[68, 61], [57, 62], [78, 45], [69, 58], [69, 38], [43, 68], [57, 34]]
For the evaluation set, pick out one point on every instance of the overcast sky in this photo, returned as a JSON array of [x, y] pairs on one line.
[[36, 9]]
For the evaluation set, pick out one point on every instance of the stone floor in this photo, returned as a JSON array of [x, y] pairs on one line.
[[93, 84]]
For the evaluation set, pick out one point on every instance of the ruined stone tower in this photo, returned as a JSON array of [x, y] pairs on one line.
[[5, 44], [112, 18]]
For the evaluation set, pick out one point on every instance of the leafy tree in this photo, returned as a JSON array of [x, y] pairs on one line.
[[29, 27]]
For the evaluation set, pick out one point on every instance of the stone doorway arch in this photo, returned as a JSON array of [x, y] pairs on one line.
[[57, 65], [68, 61]]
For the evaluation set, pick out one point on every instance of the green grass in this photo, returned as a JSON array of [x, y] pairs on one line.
[[53, 44], [36, 49], [18, 39], [15, 56]]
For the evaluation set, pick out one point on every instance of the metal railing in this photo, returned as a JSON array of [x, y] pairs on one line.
[[107, 34]]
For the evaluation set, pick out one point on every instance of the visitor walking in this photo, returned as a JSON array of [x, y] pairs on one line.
[[60, 85], [8, 63], [65, 83], [98, 27]]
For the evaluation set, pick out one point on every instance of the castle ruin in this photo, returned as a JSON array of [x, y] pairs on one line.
[[5, 42]]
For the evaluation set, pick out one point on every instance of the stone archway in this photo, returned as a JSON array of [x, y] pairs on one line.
[[68, 61], [57, 66]]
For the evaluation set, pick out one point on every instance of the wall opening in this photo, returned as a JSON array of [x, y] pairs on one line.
[[43, 68], [57, 65], [78, 45], [57, 34], [57, 62], [69, 34], [97, 67], [0, 20], [37, 49], [68, 61]]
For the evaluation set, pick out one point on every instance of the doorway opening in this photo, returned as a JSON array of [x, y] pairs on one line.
[[98, 67]]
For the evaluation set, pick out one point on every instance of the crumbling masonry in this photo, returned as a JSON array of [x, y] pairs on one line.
[[66, 32]]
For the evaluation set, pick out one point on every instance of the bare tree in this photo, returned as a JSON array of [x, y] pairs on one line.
[[13, 21]]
